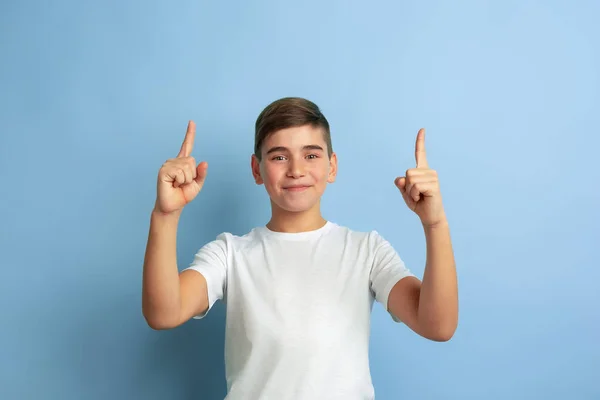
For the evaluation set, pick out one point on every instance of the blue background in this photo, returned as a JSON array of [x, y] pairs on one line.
[[95, 96]]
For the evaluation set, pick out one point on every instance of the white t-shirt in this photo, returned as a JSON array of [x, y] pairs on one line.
[[298, 309]]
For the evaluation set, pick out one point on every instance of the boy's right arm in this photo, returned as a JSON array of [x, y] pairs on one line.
[[169, 298]]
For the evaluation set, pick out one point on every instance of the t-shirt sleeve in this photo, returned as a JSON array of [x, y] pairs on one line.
[[211, 262], [387, 269]]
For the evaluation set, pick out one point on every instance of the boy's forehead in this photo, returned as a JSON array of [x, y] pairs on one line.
[[296, 137]]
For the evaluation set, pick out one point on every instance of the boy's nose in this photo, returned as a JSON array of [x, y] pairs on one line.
[[296, 169]]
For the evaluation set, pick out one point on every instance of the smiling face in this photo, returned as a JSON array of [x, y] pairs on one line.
[[295, 169]]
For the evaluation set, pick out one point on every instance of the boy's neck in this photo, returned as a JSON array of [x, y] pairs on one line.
[[290, 222]]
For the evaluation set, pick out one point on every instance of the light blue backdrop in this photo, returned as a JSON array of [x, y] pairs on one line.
[[95, 96]]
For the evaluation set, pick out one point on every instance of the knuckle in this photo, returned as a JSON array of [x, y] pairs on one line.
[[169, 164]]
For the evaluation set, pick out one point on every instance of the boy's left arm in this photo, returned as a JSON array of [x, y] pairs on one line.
[[430, 308]]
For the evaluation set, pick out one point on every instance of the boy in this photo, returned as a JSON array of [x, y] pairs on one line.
[[299, 291]]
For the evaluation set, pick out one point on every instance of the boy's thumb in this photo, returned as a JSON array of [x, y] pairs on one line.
[[401, 183], [201, 171]]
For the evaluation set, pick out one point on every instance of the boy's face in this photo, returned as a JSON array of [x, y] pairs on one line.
[[295, 168]]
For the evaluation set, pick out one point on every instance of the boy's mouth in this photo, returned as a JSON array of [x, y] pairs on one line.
[[296, 188]]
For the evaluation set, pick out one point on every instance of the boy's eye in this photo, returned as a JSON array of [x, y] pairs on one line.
[[282, 158]]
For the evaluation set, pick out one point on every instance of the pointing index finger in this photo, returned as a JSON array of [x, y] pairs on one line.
[[188, 142], [420, 155]]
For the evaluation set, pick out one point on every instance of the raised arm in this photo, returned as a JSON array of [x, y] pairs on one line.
[[169, 298]]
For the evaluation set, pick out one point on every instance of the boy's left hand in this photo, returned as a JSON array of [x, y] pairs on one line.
[[420, 188]]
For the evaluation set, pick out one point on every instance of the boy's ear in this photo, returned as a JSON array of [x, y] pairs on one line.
[[332, 168], [255, 166]]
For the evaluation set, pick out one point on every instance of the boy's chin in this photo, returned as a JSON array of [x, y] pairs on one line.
[[295, 207]]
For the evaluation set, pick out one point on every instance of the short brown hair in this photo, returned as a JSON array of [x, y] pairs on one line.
[[289, 112]]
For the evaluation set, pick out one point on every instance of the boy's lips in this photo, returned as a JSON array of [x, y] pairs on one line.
[[296, 188]]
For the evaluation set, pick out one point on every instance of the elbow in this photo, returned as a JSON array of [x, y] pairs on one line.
[[157, 323], [441, 336], [440, 332], [439, 328], [159, 326]]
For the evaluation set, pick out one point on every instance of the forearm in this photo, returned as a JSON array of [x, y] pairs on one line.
[[160, 293], [438, 300]]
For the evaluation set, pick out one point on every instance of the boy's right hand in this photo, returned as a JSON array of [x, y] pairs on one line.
[[179, 179]]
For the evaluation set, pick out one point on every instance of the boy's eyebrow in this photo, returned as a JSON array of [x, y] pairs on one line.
[[307, 147]]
